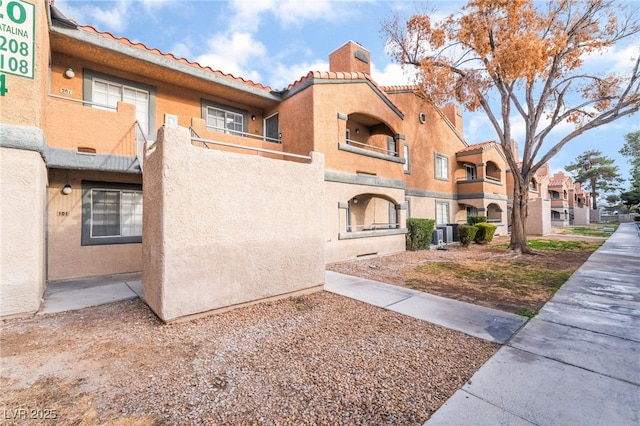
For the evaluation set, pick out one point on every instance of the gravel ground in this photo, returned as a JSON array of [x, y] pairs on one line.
[[318, 359]]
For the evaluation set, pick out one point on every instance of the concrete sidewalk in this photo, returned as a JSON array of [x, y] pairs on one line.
[[485, 323], [577, 362]]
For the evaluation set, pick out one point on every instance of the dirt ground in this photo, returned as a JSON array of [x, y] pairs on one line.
[[472, 274], [320, 359]]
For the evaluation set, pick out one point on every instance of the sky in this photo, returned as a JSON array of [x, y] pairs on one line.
[[276, 42]]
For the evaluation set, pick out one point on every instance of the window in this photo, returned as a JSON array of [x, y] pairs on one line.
[[406, 167], [105, 91], [225, 119], [442, 213], [272, 128], [472, 211], [555, 215], [442, 167], [111, 213], [109, 94], [471, 172]]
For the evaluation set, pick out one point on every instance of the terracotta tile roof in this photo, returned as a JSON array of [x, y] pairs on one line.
[[556, 182], [398, 88], [332, 75], [482, 146], [142, 46]]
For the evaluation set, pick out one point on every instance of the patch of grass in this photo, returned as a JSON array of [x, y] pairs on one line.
[[524, 312], [553, 245], [591, 230], [518, 276]]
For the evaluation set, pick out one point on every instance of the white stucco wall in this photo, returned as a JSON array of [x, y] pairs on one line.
[[224, 229], [23, 182]]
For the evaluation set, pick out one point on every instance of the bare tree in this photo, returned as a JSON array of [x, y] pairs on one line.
[[532, 57]]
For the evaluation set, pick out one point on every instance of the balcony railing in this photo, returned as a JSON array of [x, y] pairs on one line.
[[372, 227], [243, 134], [372, 148], [206, 142]]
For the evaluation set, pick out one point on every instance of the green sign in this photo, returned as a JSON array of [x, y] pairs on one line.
[[17, 37]]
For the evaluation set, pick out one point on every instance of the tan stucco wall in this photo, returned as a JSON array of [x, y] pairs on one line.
[[336, 223], [67, 258], [23, 181], [216, 237], [539, 218], [581, 216]]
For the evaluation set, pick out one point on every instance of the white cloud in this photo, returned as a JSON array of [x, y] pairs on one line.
[[615, 59], [115, 18], [282, 75], [234, 53], [391, 75]]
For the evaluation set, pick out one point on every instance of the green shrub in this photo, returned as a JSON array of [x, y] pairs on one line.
[[472, 220], [419, 233], [637, 218], [466, 233], [485, 232]]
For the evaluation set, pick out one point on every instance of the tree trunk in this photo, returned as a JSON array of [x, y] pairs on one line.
[[519, 220], [594, 194]]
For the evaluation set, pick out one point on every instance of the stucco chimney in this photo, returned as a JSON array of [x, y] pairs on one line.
[[514, 149], [351, 57], [454, 115]]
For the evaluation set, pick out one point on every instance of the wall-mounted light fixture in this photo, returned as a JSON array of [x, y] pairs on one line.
[[253, 118], [69, 73], [357, 130], [66, 190], [354, 200], [422, 117]]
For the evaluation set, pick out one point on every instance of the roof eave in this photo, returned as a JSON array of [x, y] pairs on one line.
[[161, 61]]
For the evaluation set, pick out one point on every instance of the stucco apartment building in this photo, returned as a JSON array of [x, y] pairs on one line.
[[554, 201], [77, 134]]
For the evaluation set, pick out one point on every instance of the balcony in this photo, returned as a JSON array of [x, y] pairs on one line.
[[228, 138], [470, 188], [73, 124]]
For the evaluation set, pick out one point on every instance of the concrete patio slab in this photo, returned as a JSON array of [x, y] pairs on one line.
[[69, 300]]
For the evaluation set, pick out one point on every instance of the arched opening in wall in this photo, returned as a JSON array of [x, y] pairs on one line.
[[371, 212], [371, 133], [533, 185], [494, 213], [564, 194], [493, 171]]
